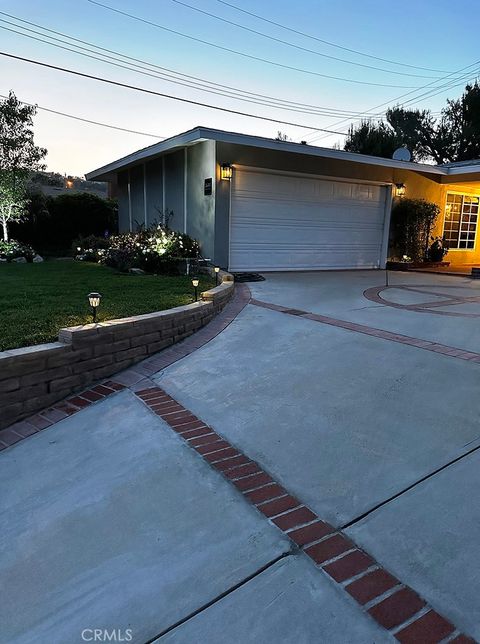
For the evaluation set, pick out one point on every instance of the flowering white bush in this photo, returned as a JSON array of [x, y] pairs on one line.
[[155, 250]]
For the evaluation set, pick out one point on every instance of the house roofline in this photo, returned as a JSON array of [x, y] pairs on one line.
[[199, 134]]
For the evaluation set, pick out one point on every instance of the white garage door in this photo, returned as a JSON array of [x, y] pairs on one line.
[[286, 222]]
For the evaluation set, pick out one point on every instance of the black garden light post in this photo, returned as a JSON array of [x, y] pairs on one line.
[[195, 282], [94, 301], [217, 270]]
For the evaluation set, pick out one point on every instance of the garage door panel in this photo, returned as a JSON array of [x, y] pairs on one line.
[[280, 222], [304, 258]]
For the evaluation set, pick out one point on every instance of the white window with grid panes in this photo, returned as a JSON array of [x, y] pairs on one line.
[[460, 225]]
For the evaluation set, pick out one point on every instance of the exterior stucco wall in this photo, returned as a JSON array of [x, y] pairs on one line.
[[201, 207], [153, 170], [174, 188], [122, 195], [136, 196], [419, 187], [458, 256]]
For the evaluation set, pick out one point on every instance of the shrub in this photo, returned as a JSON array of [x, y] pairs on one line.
[[412, 221], [12, 249], [156, 250], [90, 249], [52, 223]]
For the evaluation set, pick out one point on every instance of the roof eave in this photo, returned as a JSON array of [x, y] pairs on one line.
[[199, 133]]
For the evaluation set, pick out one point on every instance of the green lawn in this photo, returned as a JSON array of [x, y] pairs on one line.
[[36, 300]]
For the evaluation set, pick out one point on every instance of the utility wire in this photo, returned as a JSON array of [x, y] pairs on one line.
[[327, 42], [174, 72], [290, 44], [243, 54], [430, 93], [84, 120], [163, 95], [146, 71]]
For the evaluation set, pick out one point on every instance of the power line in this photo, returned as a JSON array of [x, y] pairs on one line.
[[236, 93], [290, 44], [80, 118], [327, 42], [430, 93], [163, 95], [245, 55], [162, 76]]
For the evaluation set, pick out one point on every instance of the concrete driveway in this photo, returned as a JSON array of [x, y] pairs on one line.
[[346, 421], [361, 401]]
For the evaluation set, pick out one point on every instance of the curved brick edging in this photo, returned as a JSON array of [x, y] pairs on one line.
[[373, 294], [392, 604], [130, 377], [32, 378]]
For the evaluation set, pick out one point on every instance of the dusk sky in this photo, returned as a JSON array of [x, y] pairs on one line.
[[436, 35]]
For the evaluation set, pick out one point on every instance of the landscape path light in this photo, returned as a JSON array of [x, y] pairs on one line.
[[195, 282], [217, 270], [94, 301]]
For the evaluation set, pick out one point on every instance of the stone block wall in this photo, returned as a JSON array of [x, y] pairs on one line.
[[32, 378]]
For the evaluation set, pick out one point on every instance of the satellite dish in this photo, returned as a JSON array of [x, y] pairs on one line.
[[401, 154]]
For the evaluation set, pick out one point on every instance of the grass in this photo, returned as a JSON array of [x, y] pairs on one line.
[[36, 300]]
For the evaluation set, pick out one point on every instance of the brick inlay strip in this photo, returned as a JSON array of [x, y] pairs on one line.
[[428, 345], [130, 377], [48, 417], [393, 605], [373, 294]]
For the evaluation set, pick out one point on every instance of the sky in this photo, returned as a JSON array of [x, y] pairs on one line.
[[436, 35]]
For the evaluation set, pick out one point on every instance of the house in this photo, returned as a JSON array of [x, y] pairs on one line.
[[259, 204]]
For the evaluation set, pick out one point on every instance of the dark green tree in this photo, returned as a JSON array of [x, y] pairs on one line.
[[377, 139], [454, 136]]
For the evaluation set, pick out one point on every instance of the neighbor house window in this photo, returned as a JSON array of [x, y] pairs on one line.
[[461, 215]]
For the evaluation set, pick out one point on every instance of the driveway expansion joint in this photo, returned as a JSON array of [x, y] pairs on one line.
[[388, 601], [221, 596]]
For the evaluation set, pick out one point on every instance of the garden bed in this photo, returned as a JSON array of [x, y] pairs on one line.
[[37, 300], [405, 266]]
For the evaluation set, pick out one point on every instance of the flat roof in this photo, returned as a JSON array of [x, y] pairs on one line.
[[199, 133]]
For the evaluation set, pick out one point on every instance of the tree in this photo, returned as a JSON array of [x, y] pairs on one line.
[[454, 136], [19, 156], [377, 139]]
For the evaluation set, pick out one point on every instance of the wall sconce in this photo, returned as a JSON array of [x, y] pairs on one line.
[[400, 190], [226, 171], [94, 301], [195, 283], [217, 270]]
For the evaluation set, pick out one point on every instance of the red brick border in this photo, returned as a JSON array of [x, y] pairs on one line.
[[133, 376], [59, 411], [390, 603], [452, 352], [373, 294]]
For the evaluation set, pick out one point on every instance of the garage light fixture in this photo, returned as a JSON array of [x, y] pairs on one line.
[[94, 301], [226, 171], [399, 189]]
